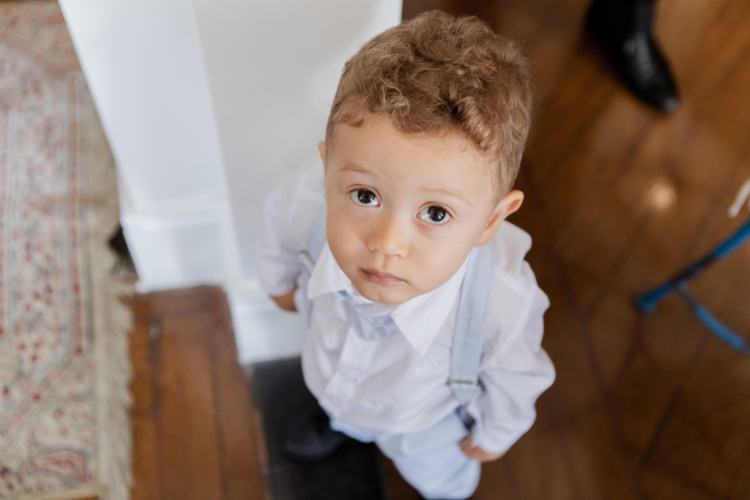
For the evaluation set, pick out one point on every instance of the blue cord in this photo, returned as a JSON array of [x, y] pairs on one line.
[[710, 321]]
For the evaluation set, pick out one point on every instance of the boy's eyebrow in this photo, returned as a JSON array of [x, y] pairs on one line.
[[356, 168], [446, 192]]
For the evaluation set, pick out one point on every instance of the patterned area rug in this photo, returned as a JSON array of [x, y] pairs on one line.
[[64, 369]]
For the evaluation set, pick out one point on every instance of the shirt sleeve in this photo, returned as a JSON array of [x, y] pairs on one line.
[[513, 377], [287, 214]]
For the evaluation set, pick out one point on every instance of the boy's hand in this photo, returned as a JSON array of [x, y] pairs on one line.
[[286, 301], [476, 452]]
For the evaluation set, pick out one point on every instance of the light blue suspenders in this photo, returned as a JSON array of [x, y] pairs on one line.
[[468, 338]]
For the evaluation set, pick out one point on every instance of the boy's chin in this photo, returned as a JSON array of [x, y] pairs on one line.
[[385, 294]]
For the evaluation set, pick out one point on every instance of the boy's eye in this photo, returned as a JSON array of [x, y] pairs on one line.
[[364, 197], [434, 215]]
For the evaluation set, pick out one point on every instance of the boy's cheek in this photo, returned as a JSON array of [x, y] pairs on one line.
[[342, 232], [346, 246]]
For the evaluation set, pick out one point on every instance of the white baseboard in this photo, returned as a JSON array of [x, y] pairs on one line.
[[264, 332], [175, 250]]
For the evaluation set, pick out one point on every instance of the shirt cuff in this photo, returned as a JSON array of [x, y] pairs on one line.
[[488, 439]]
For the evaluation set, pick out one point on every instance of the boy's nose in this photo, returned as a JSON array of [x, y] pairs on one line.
[[389, 237]]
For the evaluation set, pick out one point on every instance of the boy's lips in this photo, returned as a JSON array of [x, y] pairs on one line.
[[380, 278]]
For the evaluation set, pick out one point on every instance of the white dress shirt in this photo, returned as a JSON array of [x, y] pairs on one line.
[[399, 384]]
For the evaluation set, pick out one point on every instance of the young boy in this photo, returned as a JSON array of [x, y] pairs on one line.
[[425, 323]]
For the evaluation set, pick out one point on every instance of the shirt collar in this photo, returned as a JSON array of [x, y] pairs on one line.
[[418, 319]]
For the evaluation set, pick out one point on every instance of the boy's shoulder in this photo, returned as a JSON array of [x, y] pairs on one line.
[[309, 185], [516, 298], [512, 271], [511, 244], [299, 196]]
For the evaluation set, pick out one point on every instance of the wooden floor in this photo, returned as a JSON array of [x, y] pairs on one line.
[[618, 197], [194, 426]]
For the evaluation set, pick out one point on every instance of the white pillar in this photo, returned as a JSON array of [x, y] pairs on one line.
[[144, 65]]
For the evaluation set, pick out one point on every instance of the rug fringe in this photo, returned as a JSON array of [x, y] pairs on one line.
[[112, 321]]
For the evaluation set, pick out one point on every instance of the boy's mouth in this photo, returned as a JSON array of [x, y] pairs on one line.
[[380, 278]]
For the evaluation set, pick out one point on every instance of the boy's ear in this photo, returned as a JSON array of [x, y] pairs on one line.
[[509, 204], [322, 149]]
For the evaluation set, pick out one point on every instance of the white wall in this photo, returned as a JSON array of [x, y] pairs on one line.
[[207, 105]]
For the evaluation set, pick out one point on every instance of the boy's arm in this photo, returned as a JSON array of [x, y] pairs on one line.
[[286, 301], [476, 452], [512, 385], [286, 218]]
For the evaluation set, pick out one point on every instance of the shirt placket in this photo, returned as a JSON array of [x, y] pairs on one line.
[[354, 364]]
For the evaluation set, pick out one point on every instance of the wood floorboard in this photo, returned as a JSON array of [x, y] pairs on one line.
[[146, 460], [669, 238], [189, 441], [192, 417], [542, 448], [586, 433], [241, 447], [644, 361], [707, 432]]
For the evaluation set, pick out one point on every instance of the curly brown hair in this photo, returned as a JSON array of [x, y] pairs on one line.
[[437, 73]]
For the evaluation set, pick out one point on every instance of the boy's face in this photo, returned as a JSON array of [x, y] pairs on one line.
[[405, 210]]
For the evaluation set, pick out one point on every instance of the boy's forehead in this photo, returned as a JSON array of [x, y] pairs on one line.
[[440, 161], [379, 132]]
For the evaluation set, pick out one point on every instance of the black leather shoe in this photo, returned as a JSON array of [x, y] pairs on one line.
[[625, 34], [308, 437]]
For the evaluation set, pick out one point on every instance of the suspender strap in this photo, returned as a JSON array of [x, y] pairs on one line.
[[468, 338], [316, 240]]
